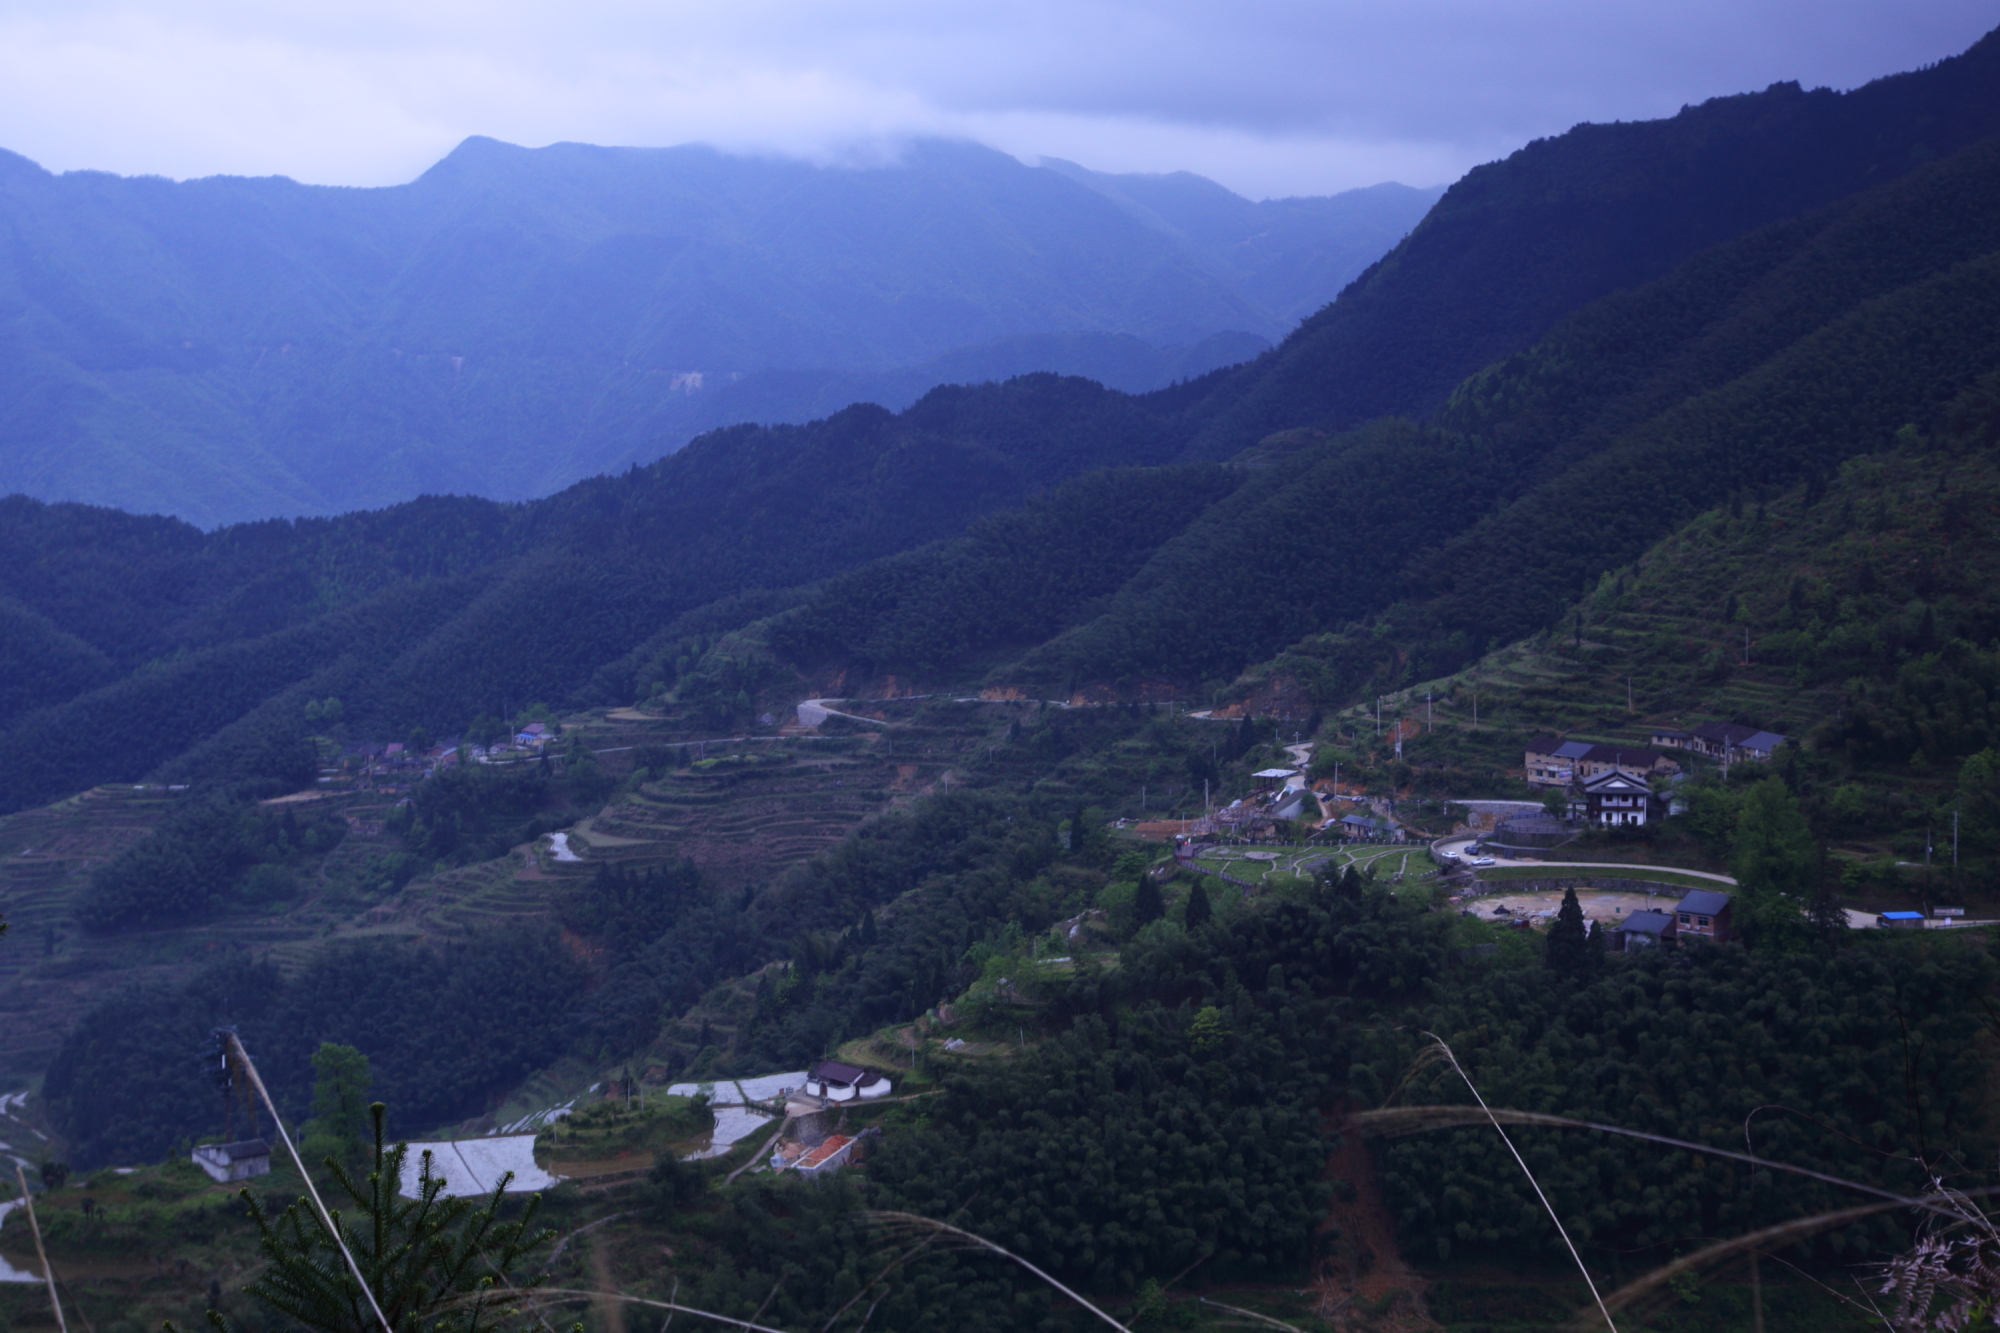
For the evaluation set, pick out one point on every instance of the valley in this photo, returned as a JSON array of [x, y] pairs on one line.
[[1488, 806]]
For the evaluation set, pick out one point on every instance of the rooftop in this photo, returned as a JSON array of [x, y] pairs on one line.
[[236, 1152], [833, 1071], [828, 1147], [1706, 902]]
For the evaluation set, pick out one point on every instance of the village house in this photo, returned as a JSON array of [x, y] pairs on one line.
[[226, 1162], [1728, 742], [1557, 763], [1702, 915], [1269, 778], [1617, 800], [1362, 826], [1551, 762], [838, 1082]]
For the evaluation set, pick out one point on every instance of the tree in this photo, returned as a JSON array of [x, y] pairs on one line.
[[1147, 905], [339, 1125], [1979, 800], [1775, 862], [1196, 911], [432, 1263], [1209, 1032], [1569, 940]]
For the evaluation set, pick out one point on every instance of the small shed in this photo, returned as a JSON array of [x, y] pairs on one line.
[[1702, 915], [1361, 826], [1901, 920], [833, 1152], [1642, 930], [226, 1162], [1268, 778]]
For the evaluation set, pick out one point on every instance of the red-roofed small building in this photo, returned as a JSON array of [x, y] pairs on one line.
[[834, 1152]]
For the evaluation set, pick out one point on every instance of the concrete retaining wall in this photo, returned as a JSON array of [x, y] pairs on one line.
[[1557, 883]]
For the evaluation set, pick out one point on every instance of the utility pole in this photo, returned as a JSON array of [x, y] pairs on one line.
[[1427, 712], [1378, 717], [1204, 797], [1628, 694], [1954, 837]]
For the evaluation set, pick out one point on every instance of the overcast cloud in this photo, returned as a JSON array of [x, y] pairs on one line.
[[1267, 96]]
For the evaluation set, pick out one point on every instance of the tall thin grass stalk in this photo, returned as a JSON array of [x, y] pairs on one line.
[[1250, 1314], [621, 1298], [1418, 1119], [326, 1219], [914, 1222], [1784, 1233], [1562, 1231], [48, 1273]]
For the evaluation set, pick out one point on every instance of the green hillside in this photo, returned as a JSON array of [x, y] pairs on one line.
[[869, 739], [1757, 364]]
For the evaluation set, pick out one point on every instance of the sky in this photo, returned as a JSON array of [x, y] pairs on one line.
[[1270, 97]]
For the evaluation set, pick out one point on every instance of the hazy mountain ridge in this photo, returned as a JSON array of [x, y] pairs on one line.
[[515, 319]]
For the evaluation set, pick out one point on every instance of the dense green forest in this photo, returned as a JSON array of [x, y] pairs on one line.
[[445, 1029]]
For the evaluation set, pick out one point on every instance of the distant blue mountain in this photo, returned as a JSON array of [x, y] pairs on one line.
[[516, 319]]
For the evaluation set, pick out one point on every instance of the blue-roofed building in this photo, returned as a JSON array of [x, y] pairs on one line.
[[1642, 930], [1901, 920]]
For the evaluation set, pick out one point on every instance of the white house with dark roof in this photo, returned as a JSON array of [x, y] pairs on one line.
[[1618, 800], [839, 1082], [227, 1162]]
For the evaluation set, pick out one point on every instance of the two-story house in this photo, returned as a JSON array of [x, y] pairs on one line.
[[1702, 915], [1617, 800]]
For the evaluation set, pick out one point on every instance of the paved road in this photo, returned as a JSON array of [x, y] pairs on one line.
[[1456, 847]]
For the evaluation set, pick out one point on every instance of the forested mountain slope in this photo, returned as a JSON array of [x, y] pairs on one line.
[[1756, 364], [1518, 244], [443, 609], [515, 319], [149, 646]]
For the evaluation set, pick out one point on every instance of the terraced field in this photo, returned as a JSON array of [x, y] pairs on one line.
[[741, 808], [51, 972]]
